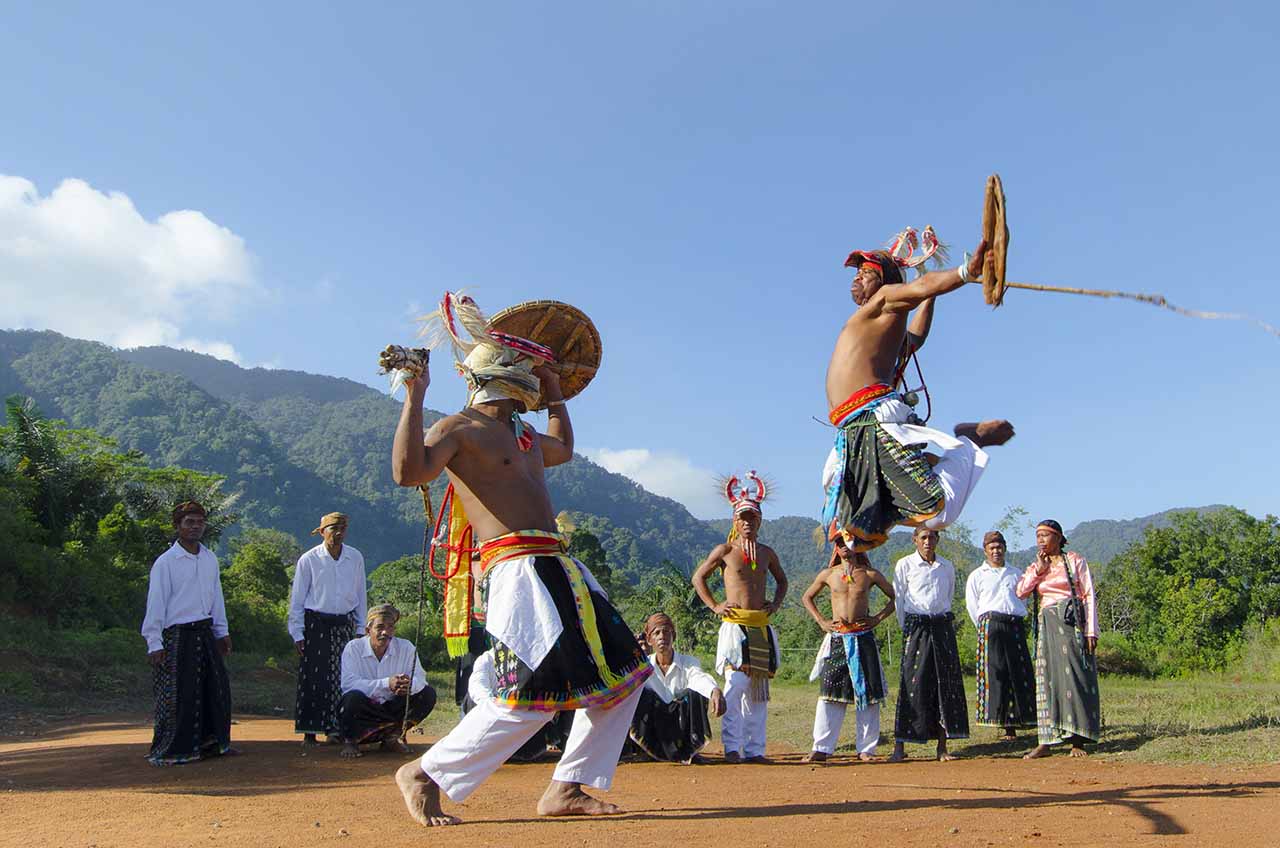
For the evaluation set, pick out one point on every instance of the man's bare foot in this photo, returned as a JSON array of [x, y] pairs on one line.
[[1037, 752], [1010, 734], [732, 757], [568, 799], [309, 740], [695, 760], [758, 759], [899, 754], [1078, 751], [815, 757], [984, 434], [944, 757], [350, 750], [396, 746], [332, 739], [422, 796], [867, 758]]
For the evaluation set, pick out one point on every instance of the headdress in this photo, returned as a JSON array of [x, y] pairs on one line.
[[658, 619], [1055, 527], [328, 520], [381, 611], [900, 253], [188, 508], [496, 365], [993, 536], [745, 499]]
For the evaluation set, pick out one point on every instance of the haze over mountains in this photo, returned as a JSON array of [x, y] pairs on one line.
[[298, 445]]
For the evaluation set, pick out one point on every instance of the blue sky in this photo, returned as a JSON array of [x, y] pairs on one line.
[[692, 176]]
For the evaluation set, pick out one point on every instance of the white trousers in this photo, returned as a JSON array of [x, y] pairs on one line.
[[829, 718], [743, 727], [490, 733]]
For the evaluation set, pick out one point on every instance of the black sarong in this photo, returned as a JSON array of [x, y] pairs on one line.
[[931, 689], [567, 678], [324, 636], [672, 732], [836, 683], [1006, 686], [193, 697], [364, 721], [1068, 703]]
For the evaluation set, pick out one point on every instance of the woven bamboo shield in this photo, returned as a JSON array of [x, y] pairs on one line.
[[995, 231], [563, 328]]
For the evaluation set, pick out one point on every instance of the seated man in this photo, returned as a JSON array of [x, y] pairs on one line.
[[483, 686], [671, 720], [379, 672]]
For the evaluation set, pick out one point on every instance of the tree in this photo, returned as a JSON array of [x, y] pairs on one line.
[[260, 561], [586, 548]]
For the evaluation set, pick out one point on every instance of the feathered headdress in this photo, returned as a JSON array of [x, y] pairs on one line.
[[900, 252], [746, 498]]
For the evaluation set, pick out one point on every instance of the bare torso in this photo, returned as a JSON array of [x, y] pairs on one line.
[[866, 350], [502, 488], [744, 587]]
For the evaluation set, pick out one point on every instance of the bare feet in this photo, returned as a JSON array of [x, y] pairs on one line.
[[758, 759], [422, 796], [396, 746], [1010, 734], [815, 757], [899, 754], [944, 757], [867, 758], [732, 757], [350, 750], [1037, 752], [984, 434], [308, 740], [1078, 751], [568, 799], [332, 739]]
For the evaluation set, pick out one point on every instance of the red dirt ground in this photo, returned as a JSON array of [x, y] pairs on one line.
[[87, 784]]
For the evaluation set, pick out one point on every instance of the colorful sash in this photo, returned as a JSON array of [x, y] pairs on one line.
[[860, 401], [757, 650], [540, 543], [849, 636]]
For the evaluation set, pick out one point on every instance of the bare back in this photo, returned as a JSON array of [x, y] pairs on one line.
[[866, 350], [502, 488]]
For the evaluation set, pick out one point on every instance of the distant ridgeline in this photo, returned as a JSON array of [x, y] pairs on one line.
[[298, 445]]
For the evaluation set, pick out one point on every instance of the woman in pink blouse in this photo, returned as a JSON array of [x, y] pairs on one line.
[[1067, 701]]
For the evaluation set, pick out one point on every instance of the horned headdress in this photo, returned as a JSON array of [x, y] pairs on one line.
[[745, 498], [900, 253]]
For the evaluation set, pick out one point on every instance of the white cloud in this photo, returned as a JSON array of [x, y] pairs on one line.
[[87, 264], [668, 474]]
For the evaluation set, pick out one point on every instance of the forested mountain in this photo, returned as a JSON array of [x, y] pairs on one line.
[[298, 445]]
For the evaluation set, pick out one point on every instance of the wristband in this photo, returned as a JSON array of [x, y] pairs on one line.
[[963, 270], [552, 403]]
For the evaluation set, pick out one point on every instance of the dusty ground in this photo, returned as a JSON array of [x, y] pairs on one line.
[[87, 784]]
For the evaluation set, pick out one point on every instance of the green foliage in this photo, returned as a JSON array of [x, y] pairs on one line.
[[396, 582], [1185, 594]]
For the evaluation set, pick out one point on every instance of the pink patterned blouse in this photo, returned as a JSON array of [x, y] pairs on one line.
[[1053, 587]]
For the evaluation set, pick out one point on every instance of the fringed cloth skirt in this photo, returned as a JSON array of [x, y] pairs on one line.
[[567, 676], [1067, 698], [931, 688], [193, 697], [751, 649], [673, 732], [324, 635], [1006, 683], [858, 681]]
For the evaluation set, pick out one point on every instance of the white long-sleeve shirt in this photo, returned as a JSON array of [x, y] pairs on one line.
[[483, 682], [183, 587], [684, 674], [324, 584], [922, 588], [991, 589], [364, 672]]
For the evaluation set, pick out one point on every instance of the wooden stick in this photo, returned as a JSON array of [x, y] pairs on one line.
[[1153, 299]]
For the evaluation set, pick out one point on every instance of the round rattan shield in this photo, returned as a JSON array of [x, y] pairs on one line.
[[995, 231], [565, 329]]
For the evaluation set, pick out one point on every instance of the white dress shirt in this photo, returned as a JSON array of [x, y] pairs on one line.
[[183, 587], [991, 589], [364, 672], [324, 584], [684, 674], [923, 588], [482, 685]]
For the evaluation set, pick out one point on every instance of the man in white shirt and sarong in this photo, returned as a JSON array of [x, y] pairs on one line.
[[380, 672], [186, 632], [671, 723], [1006, 690], [931, 702], [327, 607]]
